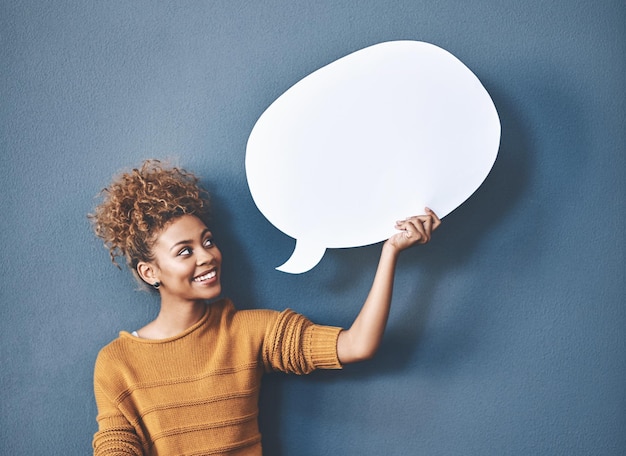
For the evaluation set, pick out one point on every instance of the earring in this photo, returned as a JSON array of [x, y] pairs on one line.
[[156, 285]]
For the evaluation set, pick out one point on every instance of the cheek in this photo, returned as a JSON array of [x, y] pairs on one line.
[[178, 269]]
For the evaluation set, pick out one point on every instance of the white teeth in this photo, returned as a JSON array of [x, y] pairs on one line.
[[207, 276]]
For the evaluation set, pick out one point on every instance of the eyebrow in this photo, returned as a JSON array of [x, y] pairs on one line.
[[189, 241]]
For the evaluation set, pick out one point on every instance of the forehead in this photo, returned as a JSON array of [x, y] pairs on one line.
[[183, 228]]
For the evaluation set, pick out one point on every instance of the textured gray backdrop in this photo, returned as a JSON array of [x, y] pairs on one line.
[[507, 332]]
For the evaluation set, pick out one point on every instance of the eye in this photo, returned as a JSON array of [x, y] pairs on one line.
[[184, 251], [208, 242]]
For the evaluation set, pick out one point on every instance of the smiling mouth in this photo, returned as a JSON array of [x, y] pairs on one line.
[[207, 276]]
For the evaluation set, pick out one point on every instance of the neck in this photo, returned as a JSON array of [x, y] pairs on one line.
[[175, 319]]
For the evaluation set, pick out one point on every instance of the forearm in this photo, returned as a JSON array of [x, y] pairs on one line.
[[361, 341]]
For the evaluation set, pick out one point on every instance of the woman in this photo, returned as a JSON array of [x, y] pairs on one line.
[[188, 382]]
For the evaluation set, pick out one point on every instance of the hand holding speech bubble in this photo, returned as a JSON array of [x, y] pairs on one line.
[[369, 139]]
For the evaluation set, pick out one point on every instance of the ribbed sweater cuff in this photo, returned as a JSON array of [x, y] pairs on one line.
[[324, 346]]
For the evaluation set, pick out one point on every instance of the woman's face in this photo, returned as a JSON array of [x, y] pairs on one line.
[[187, 262]]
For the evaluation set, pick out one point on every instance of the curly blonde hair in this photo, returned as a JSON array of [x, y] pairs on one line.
[[139, 204]]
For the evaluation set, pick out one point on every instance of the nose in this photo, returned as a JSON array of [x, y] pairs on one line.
[[207, 256]]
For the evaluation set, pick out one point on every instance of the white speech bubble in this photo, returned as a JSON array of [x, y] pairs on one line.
[[369, 139]]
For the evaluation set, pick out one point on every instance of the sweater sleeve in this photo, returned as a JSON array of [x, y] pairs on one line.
[[293, 344], [115, 436]]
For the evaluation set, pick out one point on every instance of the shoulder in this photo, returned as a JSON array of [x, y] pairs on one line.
[[111, 366], [252, 322], [227, 311], [112, 354]]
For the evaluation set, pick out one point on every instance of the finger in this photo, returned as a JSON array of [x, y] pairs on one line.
[[404, 226], [427, 222], [417, 229], [435, 220], [425, 219]]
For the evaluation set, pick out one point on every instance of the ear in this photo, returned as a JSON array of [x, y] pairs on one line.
[[148, 272]]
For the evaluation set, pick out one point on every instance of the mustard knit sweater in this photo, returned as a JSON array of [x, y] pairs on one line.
[[197, 393]]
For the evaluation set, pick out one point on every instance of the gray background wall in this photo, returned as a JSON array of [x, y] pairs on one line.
[[507, 331]]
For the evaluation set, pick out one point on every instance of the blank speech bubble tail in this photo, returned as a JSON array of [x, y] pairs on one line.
[[304, 258]]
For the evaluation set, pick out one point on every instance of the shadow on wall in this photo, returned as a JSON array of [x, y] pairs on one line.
[[463, 232]]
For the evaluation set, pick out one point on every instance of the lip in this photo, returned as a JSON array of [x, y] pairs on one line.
[[207, 277]]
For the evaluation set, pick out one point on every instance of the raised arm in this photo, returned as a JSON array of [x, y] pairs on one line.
[[361, 341]]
